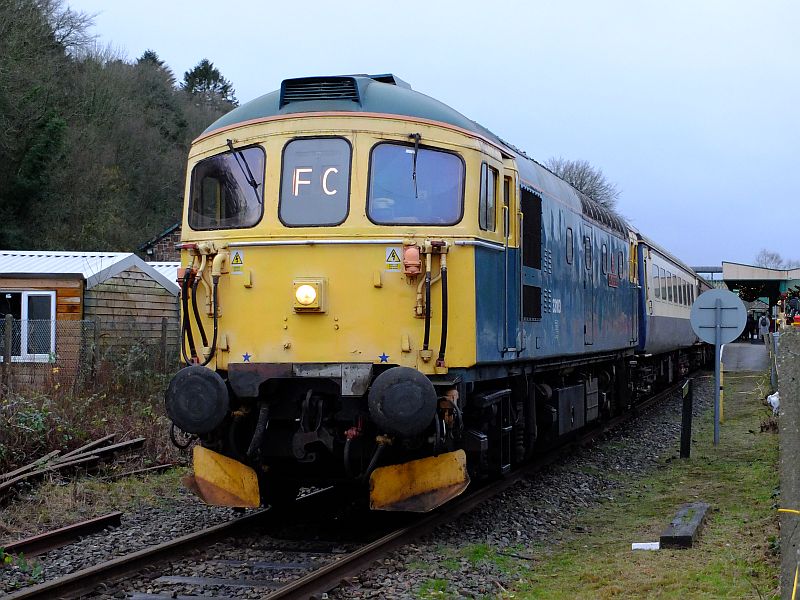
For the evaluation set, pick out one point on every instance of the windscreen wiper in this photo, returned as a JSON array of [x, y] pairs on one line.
[[416, 137], [248, 174]]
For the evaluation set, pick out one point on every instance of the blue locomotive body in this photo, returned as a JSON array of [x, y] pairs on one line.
[[372, 194]]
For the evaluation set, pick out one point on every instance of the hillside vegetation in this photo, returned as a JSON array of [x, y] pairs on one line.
[[92, 146]]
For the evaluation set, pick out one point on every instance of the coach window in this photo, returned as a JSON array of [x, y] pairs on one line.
[[570, 246], [420, 186], [656, 281], [315, 182], [668, 282], [675, 287], [486, 205], [604, 259], [227, 190]]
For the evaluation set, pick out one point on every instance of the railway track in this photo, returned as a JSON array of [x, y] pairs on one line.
[[326, 564]]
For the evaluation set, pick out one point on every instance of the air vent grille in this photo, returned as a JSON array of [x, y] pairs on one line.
[[319, 88], [602, 215]]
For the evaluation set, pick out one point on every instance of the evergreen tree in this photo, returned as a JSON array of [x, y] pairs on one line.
[[150, 57], [205, 81]]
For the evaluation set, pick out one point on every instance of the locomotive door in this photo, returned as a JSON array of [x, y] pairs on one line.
[[588, 288], [511, 302]]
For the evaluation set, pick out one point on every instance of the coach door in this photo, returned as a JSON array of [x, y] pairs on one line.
[[588, 287]]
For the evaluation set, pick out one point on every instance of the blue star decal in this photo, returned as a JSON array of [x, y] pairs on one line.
[[246, 357], [384, 357]]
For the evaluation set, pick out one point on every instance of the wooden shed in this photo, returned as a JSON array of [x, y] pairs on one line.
[[56, 298]]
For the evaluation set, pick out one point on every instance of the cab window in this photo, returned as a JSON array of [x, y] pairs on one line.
[[486, 205], [420, 186], [315, 182], [227, 190]]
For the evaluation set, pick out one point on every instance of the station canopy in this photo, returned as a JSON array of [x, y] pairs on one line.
[[752, 282]]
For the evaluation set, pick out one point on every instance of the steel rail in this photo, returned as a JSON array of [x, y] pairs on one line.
[[44, 542], [84, 581]]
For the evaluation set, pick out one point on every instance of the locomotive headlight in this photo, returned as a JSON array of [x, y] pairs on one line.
[[309, 295], [305, 294]]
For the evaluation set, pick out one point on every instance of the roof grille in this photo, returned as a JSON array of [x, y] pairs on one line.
[[319, 88], [599, 213]]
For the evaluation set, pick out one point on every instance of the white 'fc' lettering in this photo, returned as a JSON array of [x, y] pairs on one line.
[[297, 180]]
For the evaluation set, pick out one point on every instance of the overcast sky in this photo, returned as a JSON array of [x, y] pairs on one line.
[[691, 107]]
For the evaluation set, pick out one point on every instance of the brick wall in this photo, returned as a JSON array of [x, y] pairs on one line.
[[163, 249]]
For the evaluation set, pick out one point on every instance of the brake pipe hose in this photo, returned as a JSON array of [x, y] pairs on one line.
[[196, 311], [186, 328]]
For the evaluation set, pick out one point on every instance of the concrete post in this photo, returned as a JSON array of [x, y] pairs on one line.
[[789, 427]]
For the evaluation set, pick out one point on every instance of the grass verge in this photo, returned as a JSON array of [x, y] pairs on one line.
[[737, 555]]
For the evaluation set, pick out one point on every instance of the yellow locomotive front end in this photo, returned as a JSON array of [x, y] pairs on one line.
[[328, 288]]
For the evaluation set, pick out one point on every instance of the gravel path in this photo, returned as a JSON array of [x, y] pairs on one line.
[[534, 511]]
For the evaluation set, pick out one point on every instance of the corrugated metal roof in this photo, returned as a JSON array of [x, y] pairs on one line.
[[167, 269], [93, 267]]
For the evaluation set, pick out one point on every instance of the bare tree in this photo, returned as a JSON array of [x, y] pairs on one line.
[[71, 28], [587, 179], [772, 260]]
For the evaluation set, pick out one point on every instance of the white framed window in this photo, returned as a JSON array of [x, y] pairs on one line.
[[33, 338]]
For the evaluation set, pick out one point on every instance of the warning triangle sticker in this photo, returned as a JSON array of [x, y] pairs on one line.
[[237, 259], [393, 257]]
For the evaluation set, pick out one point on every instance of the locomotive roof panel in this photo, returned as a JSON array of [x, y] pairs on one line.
[[350, 93], [387, 94]]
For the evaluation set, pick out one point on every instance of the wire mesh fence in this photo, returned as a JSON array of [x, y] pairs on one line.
[[40, 353]]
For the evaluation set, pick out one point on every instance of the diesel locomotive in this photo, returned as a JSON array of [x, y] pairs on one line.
[[378, 292]]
